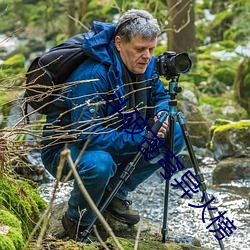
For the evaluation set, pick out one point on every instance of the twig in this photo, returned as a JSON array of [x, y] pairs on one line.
[[99, 238], [137, 236], [77, 21], [66, 154], [45, 217]]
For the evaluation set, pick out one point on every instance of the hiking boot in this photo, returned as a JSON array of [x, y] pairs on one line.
[[121, 211], [75, 231]]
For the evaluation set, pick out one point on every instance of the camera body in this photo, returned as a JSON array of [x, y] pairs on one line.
[[171, 65]]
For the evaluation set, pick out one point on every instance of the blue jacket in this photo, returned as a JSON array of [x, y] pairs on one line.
[[89, 115]]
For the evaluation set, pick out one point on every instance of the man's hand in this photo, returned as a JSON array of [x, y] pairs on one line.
[[164, 128]]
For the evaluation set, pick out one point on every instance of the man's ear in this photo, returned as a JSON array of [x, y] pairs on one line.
[[118, 42]]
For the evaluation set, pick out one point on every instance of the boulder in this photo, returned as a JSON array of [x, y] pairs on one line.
[[197, 125], [150, 235], [230, 139], [231, 169]]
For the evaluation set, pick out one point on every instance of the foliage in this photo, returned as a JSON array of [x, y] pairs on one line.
[[227, 21], [17, 60], [12, 69]]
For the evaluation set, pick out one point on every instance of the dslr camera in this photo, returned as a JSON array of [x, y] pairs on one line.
[[171, 65]]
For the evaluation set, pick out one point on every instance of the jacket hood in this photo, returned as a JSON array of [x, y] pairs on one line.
[[98, 43]]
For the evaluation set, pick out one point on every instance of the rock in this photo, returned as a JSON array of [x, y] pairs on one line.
[[232, 139], [188, 95], [197, 125], [231, 169], [150, 235]]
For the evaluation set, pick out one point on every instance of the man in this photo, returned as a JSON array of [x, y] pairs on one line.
[[121, 70]]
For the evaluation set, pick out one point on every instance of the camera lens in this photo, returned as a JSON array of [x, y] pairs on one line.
[[182, 63], [170, 64]]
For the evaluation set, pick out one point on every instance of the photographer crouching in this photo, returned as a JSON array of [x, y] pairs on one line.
[[124, 88]]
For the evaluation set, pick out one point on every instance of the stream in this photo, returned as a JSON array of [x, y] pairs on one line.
[[184, 220]]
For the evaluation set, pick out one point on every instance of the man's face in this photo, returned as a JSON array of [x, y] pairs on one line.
[[137, 53]]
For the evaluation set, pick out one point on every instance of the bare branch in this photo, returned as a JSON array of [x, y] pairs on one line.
[[66, 154]]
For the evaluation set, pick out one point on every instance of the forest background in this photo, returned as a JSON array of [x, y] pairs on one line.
[[214, 33]]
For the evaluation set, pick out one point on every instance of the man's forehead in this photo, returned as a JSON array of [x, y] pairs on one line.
[[137, 40]]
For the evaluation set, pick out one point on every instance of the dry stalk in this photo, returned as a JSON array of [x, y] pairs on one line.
[[46, 216], [137, 236], [99, 238], [66, 154]]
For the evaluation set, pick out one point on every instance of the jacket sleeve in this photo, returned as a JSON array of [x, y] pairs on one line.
[[88, 114]]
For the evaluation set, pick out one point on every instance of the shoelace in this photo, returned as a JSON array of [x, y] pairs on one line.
[[127, 203]]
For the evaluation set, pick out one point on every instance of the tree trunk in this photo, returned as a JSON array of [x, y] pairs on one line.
[[83, 7], [181, 27], [72, 13]]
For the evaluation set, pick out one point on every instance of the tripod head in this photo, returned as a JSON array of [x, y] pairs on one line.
[[174, 89]]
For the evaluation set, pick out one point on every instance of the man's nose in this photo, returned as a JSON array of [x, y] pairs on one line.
[[146, 54]]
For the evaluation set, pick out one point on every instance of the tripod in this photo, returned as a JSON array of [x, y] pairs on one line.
[[173, 90]]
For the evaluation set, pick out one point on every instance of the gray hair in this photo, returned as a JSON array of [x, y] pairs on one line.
[[137, 22]]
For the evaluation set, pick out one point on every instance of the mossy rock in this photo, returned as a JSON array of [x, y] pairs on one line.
[[225, 75], [230, 140], [11, 237], [22, 200], [16, 61], [150, 235], [219, 107], [128, 244]]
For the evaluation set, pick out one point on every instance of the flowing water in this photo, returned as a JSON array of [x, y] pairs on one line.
[[184, 220]]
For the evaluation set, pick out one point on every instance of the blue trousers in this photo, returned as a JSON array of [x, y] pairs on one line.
[[99, 170]]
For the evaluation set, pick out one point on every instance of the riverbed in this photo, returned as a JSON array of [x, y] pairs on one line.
[[182, 218]]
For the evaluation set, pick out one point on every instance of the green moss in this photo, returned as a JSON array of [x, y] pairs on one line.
[[128, 244], [242, 84], [219, 131], [236, 125], [16, 237], [9, 219], [6, 243], [13, 239], [21, 199], [225, 75], [13, 71], [212, 100], [228, 45]]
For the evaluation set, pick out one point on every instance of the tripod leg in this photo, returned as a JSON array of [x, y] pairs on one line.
[[198, 173], [164, 229], [170, 143]]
